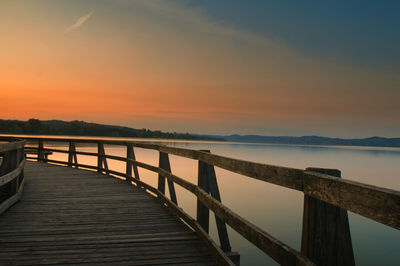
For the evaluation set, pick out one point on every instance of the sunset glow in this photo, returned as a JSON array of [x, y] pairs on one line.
[[172, 65]]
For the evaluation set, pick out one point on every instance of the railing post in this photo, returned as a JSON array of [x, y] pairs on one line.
[[207, 180], [203, 213], [72, 155], [221, 226], [20, 158], [130, 154], [101, 159], [164, 164], [326, 238], [40, 151]]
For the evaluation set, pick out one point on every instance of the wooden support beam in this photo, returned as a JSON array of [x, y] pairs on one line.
[[164, 164], [326, 238], [101, 158], [130, 154], [72, 155], [40, 151], [221, 226], [207, 180], [203, 213]]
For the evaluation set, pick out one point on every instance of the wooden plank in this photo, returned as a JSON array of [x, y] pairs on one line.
[[85, 247], [220, 255], [138, 252], [52, 224], [129, 237], [132, 260]]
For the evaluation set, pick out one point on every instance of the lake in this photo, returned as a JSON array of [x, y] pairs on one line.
[[275, 209]]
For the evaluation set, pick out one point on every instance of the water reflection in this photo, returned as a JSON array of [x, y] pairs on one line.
[[276, 209]]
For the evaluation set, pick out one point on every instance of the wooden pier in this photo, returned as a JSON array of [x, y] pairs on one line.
[[67, 215], [71, 216]]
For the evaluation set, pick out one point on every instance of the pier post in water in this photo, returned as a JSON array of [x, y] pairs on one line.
[[326, 238], [207, 180]]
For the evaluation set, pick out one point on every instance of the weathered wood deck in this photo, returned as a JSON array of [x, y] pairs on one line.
[[70, 216]]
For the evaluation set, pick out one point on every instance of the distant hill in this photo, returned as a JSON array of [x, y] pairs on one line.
[[81, 128], [315, 140]]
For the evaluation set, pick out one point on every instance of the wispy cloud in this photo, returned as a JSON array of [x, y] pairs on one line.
[[79, 22]]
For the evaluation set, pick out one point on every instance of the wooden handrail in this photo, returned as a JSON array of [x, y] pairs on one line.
[[376, 203], [373, 202], [4, 147], [282, 253], [11, 173]]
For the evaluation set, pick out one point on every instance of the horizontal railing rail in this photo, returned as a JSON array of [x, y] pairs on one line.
[[11, 173], [322, 188]]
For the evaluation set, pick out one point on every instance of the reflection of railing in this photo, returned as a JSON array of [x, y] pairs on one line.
[[326, 236], [11, 173]]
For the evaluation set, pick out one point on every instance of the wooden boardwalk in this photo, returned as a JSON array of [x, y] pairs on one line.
[[71, 216]]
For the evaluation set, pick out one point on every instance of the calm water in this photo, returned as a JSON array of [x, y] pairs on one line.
[[275, 209]]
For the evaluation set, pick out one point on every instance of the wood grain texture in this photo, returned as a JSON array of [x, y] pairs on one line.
[[376, 203], [13, 199], [4, 147], [279, 251], [379, 204], [13, 174], [71, 216], [326, 237]]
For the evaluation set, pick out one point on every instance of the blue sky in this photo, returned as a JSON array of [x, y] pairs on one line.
[[365, 33]]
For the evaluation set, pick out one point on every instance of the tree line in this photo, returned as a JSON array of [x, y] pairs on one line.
[[79, 128]]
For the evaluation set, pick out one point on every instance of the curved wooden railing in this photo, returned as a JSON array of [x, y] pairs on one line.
[[326, 235], [11, 173]]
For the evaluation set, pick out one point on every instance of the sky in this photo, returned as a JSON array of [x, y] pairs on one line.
[[329, 68]]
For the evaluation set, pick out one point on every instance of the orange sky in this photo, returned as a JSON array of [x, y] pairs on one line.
[[147, 64]]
